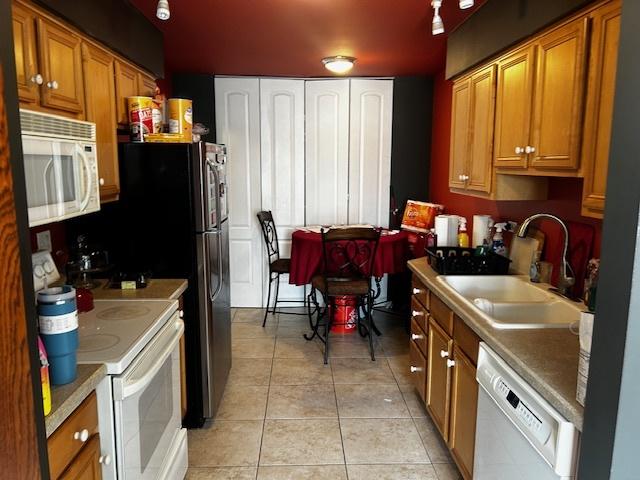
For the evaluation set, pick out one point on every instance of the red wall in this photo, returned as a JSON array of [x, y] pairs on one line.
[[564, 193]]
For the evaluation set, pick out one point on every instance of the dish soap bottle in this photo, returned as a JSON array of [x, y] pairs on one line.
[[44, 377], [497, 245], [463, 236]]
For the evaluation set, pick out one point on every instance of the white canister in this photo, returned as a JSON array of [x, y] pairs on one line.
[[482, 225], [447, 230]]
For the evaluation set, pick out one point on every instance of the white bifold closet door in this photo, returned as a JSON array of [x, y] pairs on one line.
[[370, 151], [238, 127], [327, 151], [283, 180]]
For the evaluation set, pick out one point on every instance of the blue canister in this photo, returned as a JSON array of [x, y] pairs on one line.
[[58, 318]]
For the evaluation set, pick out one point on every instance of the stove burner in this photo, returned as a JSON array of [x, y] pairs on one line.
[[123, 313], [98, 342]]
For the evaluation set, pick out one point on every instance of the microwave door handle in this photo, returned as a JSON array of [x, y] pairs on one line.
[[130, 389], [89, 180]]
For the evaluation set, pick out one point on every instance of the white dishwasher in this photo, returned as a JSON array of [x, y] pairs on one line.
[[518, 434]]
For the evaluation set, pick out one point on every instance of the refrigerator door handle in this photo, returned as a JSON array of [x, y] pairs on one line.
[[211, 166], [214, 295]]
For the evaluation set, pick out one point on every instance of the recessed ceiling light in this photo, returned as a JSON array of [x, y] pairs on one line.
[[339, 64], [162, 11]]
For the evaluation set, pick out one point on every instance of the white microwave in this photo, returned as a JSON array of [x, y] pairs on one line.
[[60, 167]]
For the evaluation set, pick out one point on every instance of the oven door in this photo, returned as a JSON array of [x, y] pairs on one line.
[[59, 176], [147, 405]]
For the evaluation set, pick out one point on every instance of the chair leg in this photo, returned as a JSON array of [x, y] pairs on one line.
[[327, 331], [370, 326], [275, 304], [266, 310]]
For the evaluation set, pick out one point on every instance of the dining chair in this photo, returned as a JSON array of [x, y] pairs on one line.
[[348, 257], [277, 265]]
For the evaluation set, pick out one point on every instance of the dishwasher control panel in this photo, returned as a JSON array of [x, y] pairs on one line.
[[525, 414]]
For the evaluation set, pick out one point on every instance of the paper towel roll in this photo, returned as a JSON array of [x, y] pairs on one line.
[[481, 229], [447, 230]]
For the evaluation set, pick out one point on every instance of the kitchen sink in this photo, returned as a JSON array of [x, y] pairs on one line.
[[512, 302]]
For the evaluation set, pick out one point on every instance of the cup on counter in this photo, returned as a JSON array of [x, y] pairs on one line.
[[58, 321], [84, 300]]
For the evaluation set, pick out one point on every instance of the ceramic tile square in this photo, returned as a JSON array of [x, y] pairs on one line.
[[241, 402], [433, 443], [317, 472], [347, 348], [391, 472], [253, 315], [222, 473], [250, 371], [394, 346], [301, 442], [384, 441], [244, 330], [415, 404], [300, 371], [447, 471], [294, 330], [301, 401], [361, 370], [228, 444], [253, 347], [370, 401], [400, 367], [298, 347]]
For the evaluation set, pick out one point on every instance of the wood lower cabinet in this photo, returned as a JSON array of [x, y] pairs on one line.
[[86, 466], [418, 369], [599, 108], [464, 403], [100, 101], [440, 347]]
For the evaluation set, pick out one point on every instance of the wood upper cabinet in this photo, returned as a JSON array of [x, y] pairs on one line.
[[464, 403], [558, 99], [146, 85], [126, 86], [599, 107], [60, 59], [86, 466], [513, 107], [100, 100], [459, 147], [24, 46], [439, 376]]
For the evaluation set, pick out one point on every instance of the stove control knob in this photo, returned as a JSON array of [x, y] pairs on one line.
[[48, 266], [82, 435], [181, 313], [38, 271]]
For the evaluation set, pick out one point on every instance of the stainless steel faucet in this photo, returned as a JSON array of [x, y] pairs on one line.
[[566, 280]]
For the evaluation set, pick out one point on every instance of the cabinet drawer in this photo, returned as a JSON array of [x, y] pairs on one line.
[[442, 314], [418, 370], [419, 314], [466, 339], [419, 337], [420, 292], [62, 446]]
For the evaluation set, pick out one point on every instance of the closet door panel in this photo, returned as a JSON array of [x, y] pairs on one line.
[[327, 151], [370, 151], [238, 127], [282, 153]]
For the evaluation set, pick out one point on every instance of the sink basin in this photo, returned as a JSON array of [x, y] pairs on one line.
[[510, 302]]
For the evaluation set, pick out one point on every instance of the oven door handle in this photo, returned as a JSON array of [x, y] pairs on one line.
[[132, 382], [88, 177]]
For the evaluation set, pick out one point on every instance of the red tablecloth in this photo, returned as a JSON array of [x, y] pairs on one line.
[[306, 255]]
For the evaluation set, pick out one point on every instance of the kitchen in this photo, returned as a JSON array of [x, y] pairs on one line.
[[439, 128]]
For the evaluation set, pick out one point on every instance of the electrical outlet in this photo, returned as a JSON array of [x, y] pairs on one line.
[[43, 240]]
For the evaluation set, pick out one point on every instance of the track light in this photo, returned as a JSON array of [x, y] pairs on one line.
[[162, 11], [437, 25], [464, 4]]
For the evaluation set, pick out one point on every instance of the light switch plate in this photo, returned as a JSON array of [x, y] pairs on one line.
[[43, 239]]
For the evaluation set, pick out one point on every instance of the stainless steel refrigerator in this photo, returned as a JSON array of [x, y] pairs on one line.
[[171, 221]]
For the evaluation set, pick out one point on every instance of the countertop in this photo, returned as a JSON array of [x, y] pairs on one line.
[[546, 358], [158, 288], [66, 398]]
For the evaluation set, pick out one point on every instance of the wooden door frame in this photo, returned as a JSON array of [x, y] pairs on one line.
[[23, 451]]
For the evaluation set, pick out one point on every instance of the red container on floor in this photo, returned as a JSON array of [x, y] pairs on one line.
[[345, 317]]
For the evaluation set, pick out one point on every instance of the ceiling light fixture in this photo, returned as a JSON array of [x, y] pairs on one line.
[[437, 25], [464, 4], [162, 11], [339, 64]]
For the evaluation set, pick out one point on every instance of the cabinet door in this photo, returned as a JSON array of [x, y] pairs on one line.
[[439, 377], [464, 404], [459, 147], [558, 98], [86, 466], [481, 116], [146, 85], [100, 108], [513, 107], [282, 155], [24, 47], [61, 64], [327, 151], [126, 86], [418, 369], [370, 151], [599, 109]]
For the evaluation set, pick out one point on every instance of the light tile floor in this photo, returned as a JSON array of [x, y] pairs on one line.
[[287, 416]]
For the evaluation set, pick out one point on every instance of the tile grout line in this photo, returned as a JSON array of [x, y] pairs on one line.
[[335, 396]]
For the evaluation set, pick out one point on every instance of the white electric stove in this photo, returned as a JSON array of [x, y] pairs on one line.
[[139, 401]]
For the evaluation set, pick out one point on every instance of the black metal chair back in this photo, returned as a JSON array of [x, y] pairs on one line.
[[270, 234], [349, 253]]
